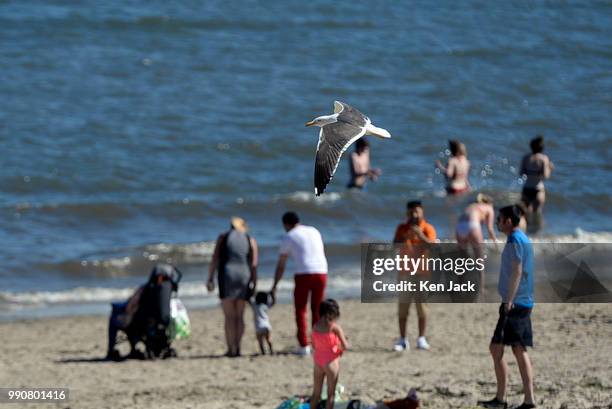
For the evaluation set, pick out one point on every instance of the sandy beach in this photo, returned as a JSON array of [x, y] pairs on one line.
[[571, 361]]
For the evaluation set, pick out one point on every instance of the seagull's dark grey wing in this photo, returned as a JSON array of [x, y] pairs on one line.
[[350, 115], [334, 139]]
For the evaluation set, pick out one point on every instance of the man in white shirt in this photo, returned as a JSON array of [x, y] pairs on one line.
[[305, 245]]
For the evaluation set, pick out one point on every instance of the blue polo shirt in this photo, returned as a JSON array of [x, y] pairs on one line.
[[518, 248]]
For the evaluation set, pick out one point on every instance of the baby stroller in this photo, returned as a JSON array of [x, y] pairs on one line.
[[150, 322]]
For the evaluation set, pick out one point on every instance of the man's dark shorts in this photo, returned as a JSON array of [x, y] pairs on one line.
[[513, 328]]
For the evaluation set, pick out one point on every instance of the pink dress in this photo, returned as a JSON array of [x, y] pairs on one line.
[[326, 347]]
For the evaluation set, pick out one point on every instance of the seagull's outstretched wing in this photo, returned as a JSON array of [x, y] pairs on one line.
[[334, 139], [348, 114]]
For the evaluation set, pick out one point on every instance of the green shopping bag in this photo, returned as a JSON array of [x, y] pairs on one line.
[[180, 326]]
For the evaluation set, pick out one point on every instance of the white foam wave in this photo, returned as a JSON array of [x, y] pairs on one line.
[[579, 236], [194, 252], [88, 295], [75, 295], [192, 289], [309, 197], [339, 281], [111, 264]]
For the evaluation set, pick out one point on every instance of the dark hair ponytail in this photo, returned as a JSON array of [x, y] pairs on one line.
[[329, 309]]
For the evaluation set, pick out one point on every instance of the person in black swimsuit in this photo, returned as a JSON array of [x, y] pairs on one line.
[[535, 168]]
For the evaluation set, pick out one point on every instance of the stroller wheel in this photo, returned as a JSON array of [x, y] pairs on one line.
[[169, 353], [150, 354], [113, 355], [136, 354]]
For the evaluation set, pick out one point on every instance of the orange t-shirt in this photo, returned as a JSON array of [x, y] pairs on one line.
[[405, 235]]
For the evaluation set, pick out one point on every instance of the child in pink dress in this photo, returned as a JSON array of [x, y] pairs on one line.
[[328, 342]]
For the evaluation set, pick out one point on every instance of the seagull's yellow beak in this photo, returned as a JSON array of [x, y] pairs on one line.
[[310, 123]]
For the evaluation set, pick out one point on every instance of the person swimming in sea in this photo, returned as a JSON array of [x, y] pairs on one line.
[[535, 168], [456, 170], [360, 165]]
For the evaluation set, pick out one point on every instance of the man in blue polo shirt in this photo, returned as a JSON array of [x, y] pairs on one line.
[[514, 325]]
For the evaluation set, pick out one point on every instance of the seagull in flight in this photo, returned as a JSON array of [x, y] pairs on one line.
[[338, 131]]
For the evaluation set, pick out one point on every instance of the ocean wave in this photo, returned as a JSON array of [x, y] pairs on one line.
[[344, 276], [309, 197], [189, 252], [133, 261], [579, 236], [187, 290], [168, 23], [108, 210], [342, 205]]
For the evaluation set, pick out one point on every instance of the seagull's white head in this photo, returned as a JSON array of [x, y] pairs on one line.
[[323, 120]]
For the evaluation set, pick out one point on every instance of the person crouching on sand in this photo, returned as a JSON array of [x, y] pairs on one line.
[[328, 342], [514, 325]]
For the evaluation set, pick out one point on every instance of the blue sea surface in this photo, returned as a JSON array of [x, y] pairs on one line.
[[132, 131]]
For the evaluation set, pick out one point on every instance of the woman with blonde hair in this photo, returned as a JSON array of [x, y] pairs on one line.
[[469, 230], [235, 260]]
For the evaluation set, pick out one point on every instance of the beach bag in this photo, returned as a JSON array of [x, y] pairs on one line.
[[180, 326], [295, 402], [302, 402]]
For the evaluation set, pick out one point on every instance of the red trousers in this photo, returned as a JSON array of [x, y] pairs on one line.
[[305, 284]]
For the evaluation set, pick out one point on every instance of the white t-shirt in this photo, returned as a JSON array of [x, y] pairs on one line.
[[305, 245], [260, 315]]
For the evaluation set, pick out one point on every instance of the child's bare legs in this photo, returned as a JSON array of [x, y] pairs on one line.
[[524, 364], [260, 340], [332, 370], [269, 341], [262, 336], [319, 377], [501, 369]]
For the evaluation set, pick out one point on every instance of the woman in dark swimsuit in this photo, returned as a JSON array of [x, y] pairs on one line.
[[535, 168]]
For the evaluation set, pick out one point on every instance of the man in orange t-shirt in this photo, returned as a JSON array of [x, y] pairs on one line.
[[415, 231]]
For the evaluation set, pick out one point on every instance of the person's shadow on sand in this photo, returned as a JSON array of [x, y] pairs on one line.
[[82, 360], [138, 356], [253, 355], [182, 357]]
